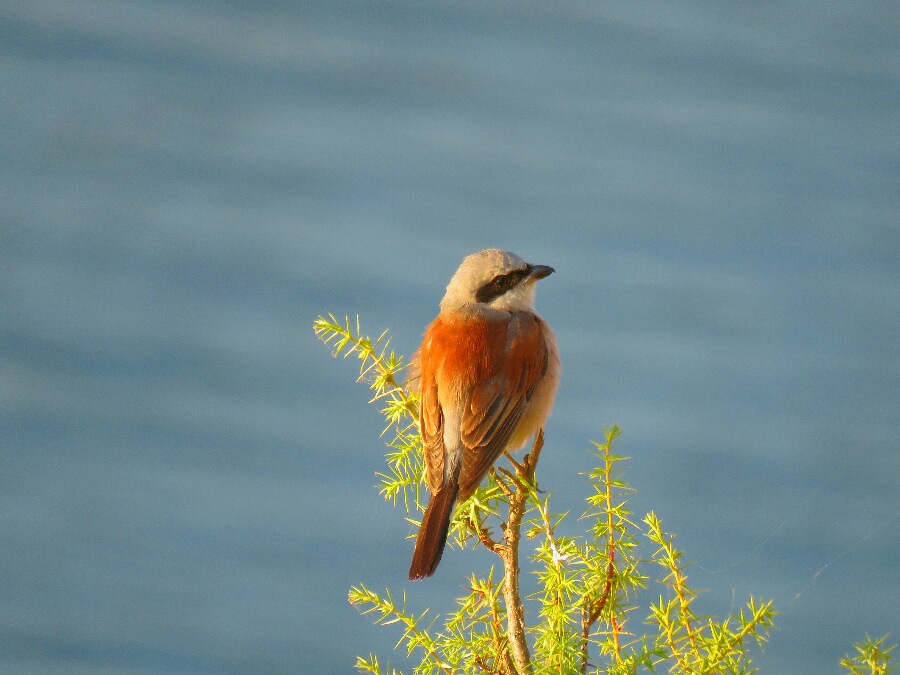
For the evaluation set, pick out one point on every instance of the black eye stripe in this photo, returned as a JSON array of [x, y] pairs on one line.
[[501, 284]]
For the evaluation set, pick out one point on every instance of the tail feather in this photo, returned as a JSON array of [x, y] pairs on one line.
[[433, 532]]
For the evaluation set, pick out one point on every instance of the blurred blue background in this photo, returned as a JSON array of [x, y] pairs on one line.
[[186, 481]]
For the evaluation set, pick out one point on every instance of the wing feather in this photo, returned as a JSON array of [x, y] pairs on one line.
[[495, 405], [431, 421], [494, 366]]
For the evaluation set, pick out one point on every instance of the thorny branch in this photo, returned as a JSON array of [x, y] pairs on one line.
[[517, 492]]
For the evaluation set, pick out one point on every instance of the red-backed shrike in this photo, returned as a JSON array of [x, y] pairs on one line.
[[488, 373]]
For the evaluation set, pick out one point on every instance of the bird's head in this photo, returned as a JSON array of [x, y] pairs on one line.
[[497, 279]]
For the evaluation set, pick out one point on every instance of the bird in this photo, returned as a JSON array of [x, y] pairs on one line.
[[487, 373]]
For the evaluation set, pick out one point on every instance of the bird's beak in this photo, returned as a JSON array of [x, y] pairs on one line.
[[540, 271]]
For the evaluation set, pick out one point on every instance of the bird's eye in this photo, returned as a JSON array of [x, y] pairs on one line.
[[497, 286]]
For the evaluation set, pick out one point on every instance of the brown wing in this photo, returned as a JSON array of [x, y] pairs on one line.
[[494, 405], [490, 368], [431, 418]]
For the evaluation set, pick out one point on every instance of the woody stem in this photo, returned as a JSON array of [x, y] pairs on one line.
[[515, 610]]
